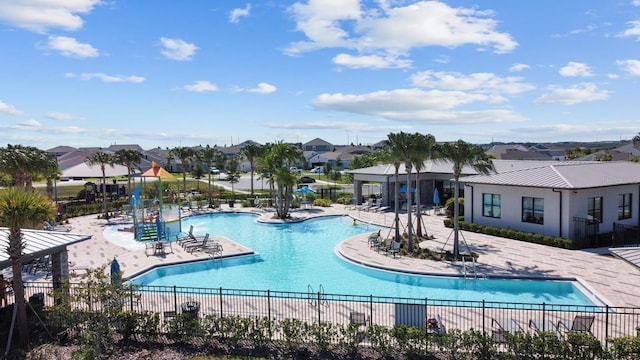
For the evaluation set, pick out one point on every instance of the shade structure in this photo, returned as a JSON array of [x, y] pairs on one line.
[[403, 189], [116, 274], [436, 197], [85, 170], [159, 172], [305, 190]]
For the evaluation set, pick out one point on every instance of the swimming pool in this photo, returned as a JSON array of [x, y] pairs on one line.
[[292, 257]]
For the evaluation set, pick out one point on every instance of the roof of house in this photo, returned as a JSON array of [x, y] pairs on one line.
[[565, 175], [316, 142]]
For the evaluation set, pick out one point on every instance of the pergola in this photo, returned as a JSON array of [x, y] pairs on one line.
[[39, 243]]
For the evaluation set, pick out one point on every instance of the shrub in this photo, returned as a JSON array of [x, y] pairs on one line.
[[322, 202]]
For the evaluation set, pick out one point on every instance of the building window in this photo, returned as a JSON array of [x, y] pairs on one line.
[[448, 188], [594, 209], [624, 206], [533, 210], [491, 205]]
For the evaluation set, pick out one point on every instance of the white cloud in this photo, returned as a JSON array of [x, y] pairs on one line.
[[107, 78], [633, 31], [68, 46], [394, 30], [177, 49], [30, 124], [370, 61], [481, 82], [573, 95], [630, 66], [518, 67], [635, 2], [575, 69], [236, 14], [201, 86], [58, 116], [40, 16], [9, 109], [415, 105], [263, 88]]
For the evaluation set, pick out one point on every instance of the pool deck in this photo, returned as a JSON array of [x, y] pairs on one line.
[[614, 280]]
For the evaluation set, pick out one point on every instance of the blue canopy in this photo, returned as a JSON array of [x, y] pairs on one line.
[[305, 190], [403, 189], [116, 274]]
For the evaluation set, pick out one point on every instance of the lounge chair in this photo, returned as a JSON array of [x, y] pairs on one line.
[[359, 318], [386, 246], [213, 249], [503, 327], [580, 323], [382, 209], [540, 326], [198, 244], [52, 226], [182, 237]]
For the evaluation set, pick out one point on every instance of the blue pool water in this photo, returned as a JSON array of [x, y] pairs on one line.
[[293, 256]]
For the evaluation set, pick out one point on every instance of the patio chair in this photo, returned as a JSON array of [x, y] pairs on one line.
[[394, 249], [382, 209], [435, 326], [503, 327], [182, 237], [580, 323], [199, 243], [359, 318], [386, 246], [52, 226], [540, 326]]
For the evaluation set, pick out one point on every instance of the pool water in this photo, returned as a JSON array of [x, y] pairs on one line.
[[292, 257]]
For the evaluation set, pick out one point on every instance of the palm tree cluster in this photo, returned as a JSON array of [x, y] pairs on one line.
[[413, 150]]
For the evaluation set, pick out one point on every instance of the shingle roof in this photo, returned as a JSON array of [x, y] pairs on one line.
[[569, 175]]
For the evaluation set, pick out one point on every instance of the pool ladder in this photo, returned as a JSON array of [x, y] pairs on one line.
[[473, 267], [316, 297]]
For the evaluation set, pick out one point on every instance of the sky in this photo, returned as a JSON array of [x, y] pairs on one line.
[[162, 73]]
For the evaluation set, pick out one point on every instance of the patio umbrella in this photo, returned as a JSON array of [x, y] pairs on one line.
[[116, 274], [436, 197]]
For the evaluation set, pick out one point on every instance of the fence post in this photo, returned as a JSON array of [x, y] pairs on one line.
[[319, 315], [269, 310], [371, 309], [544, 317], [606, 327], [175, 299], [221, 302], [484, 329]]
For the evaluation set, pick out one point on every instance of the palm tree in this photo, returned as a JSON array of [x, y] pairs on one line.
[[636, 140], [185, 154], [128, 158], [103, 159], [277, 159], [18, 209], [462, 154], [394, 153], [23, 162], [422, 152], [209, 155], [50, 170], [252, 152]]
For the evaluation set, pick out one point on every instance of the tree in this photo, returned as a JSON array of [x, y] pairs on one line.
[[394, 153], [636, 140], [22, 163], [128, 158], [103, 159], [184, 154], [19, 209], [252, 152], [233, 171], [209, 155], [462, 154], [278, 158], [423, 145]]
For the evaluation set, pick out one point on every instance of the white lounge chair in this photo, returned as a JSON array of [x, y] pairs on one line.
[[199, 243]]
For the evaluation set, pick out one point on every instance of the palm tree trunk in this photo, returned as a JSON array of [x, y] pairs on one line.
[[251, 180], [419, 211], [104, 193], [409, 225], [456, 223], [396, 200]]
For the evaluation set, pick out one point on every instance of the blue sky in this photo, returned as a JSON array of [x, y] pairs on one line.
[[183, 73]]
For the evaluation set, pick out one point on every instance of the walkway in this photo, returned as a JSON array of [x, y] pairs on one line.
[[614, 280]]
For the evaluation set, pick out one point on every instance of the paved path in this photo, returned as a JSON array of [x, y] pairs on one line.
[[614, 281]]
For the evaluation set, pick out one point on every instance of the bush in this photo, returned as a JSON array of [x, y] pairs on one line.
[[322, 202]]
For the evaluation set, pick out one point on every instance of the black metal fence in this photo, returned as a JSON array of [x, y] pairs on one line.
[[604, 322], [625, 235]]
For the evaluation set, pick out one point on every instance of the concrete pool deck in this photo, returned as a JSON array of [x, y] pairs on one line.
[[614, 280]]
